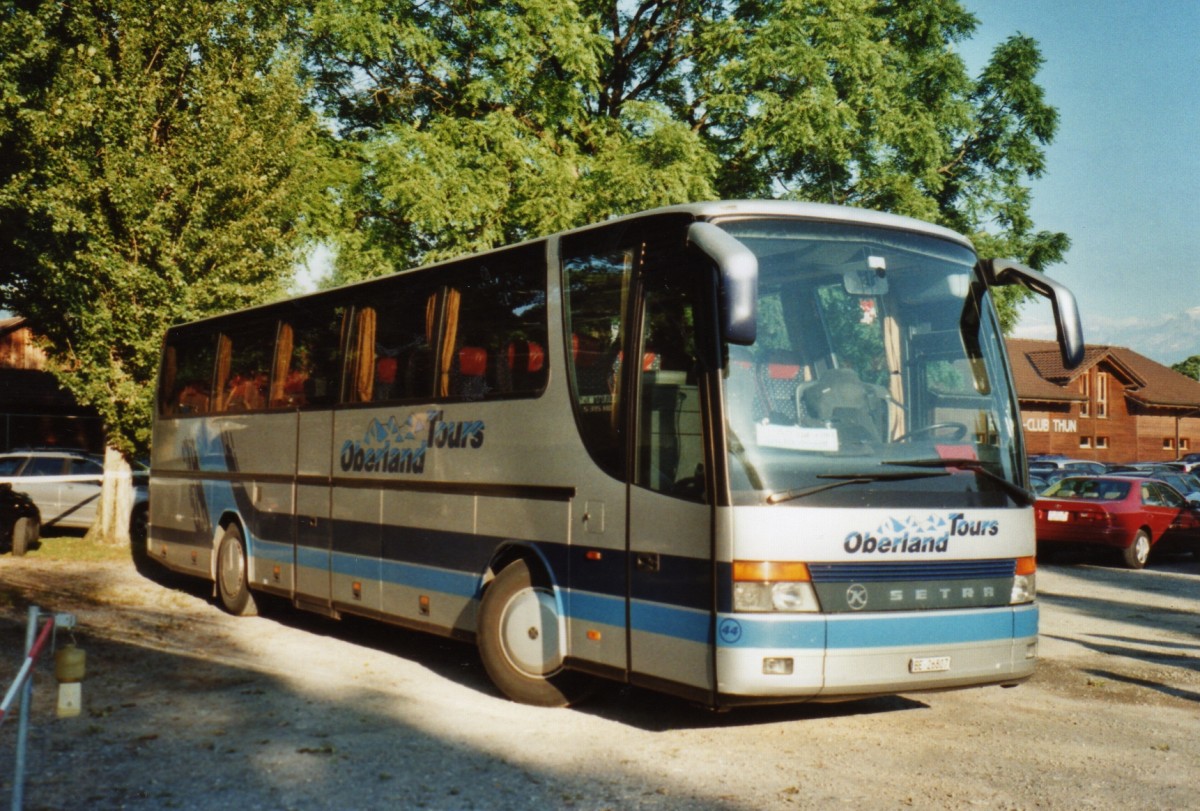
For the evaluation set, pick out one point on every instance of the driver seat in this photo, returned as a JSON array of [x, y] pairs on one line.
[[839, 399]]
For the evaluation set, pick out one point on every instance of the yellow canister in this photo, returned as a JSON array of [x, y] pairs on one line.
[[70, 664]]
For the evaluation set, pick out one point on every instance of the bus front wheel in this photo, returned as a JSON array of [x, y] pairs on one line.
[[232, 582], [520, 641]]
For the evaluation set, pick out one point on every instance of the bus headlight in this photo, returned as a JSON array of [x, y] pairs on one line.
[[772, 586], [1024, 588]]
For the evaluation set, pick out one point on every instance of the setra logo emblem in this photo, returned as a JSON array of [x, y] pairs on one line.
[[856, 597]]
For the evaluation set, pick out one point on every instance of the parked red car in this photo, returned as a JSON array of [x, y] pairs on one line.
[[1126, 513]]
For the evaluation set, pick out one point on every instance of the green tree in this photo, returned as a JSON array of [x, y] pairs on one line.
[[1189, 367], [156, 164], [478, 123]]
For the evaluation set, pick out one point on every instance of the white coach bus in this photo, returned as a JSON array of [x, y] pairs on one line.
[[740, 452]]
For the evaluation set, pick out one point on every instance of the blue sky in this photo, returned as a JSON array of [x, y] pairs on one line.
[[1123, 177]]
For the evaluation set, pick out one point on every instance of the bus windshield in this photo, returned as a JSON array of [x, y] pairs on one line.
[[877, 374]]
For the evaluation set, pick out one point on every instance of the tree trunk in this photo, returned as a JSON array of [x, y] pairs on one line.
[[116, 501]]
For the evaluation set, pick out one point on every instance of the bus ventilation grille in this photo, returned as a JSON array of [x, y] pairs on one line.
[[894, 572]]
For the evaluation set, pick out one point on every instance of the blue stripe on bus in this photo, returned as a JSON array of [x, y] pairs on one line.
[[273, 552], [655, 618], [771, 631], [668, 620], [307, 558], [1025, 621], [355, 566], [586, 606], [459, 584], [875, 631], [919, 629]]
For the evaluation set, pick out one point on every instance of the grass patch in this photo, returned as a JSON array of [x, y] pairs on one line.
[[75, 547]]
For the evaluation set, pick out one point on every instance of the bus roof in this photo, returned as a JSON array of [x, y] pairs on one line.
[[708, 210], [719, 209]]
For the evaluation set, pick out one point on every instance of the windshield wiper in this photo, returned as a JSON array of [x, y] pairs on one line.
[[1019, 494], [842, 479], [739, 453]]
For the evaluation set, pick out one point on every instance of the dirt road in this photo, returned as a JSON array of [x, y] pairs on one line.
[[186, 707]]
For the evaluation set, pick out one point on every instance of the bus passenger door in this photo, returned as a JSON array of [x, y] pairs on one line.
[[670, 516], [314, 460]]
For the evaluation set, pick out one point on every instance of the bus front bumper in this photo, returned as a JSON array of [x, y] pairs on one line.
[[778, 657]]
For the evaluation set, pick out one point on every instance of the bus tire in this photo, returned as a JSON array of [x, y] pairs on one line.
[[519, 641], [139, 531], [232, 581], [24, 535], [1138, 552]]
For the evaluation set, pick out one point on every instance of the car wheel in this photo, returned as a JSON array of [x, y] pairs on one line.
[[520, 644], [139, 530], [1138, 552], [232, 581], [24, 535]]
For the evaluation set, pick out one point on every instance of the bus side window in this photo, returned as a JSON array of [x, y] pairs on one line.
[[308, 358], [390, 350], [187, 373], [670, 440], [244, 367], [596, 288], [496, 324]]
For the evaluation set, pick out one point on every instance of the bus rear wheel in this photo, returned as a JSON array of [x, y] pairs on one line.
[[232, 581], [520, 641]]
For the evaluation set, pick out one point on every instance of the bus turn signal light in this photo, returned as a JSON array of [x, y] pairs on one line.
[[762, 571]]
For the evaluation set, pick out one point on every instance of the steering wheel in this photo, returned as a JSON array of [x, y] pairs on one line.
[[957, 431]]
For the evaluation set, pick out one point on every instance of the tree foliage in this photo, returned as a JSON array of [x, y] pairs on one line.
[[478, 123], [1189, 367], [155, 163]]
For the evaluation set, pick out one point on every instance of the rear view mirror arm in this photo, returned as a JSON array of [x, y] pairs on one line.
[[1000, 272], [737, 267]]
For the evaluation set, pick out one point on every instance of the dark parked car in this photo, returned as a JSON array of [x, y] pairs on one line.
[[1186, 483], [1190, 461], [63, 484], [1131, 514], [18, 521], [1078, 467]]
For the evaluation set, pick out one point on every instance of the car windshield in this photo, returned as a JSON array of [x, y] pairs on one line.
[[1102, 489], [877, 364]]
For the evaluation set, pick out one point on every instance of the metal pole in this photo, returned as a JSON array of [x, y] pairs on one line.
[[18, 793]]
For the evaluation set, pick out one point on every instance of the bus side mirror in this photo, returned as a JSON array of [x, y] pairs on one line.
[[737, 267], [997, 272]]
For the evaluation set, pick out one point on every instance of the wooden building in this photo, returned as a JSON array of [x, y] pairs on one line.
[[1117, 406], [35, 411]]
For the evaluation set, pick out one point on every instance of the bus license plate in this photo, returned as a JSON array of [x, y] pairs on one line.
[[929, 664], [1057, 515]]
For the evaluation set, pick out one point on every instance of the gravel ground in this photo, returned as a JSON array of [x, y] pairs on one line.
[[186, 707]]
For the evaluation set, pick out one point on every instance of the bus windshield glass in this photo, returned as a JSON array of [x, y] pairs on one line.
[[877, 375]]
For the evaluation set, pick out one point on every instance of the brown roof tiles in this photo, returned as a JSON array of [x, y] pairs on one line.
[[1041, 377]]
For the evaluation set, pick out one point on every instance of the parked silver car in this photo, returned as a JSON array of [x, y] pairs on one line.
[[64, 485]]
